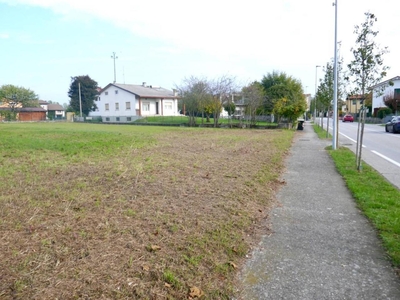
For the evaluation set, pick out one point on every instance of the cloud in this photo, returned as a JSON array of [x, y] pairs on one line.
[[219, 28], [4, 36], [288, 35]]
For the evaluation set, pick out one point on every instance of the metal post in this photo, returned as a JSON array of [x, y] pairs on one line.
[[335, 85], [80, 100], [315, 93], [115, 74]]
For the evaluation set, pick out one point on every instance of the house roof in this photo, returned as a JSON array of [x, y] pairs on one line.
[[24, 109], [55, 107], [384, 82], [358, 96], [30, 109], [6, 105], [42, 102], [144, 91]]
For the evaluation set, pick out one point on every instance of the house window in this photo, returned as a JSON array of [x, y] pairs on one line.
[[106, 93], [168, 105], [107, 106], [117, 118], [128, 105], [354, 102], [116, 106], [128, 119], [116, 91], [396, 93], [146, 106], [107, 119]]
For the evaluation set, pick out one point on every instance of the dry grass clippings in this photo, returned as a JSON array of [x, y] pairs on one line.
[[173, 220]]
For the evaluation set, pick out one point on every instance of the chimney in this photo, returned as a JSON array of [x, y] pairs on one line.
[[175, 92]]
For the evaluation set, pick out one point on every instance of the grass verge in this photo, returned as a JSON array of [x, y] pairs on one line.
[[321, 132], [375, 196]]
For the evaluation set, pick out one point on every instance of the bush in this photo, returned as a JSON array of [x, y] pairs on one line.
[[383, 112]]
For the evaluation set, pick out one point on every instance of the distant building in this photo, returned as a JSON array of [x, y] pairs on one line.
[[22, 113], [53, 111], [128, 102], [353, 104]]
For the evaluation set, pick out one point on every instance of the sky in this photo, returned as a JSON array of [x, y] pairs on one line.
[[43, 43]]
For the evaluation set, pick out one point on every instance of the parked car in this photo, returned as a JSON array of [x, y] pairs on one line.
[[348, 118], [393, 125]]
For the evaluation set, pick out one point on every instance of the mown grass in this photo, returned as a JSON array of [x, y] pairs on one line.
[[321, 132], [131, 212], [375, 196]]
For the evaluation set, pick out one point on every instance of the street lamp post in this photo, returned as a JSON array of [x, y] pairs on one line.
[[335, 86], [315, 93]]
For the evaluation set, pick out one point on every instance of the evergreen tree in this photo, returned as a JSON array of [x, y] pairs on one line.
[[89, 93]]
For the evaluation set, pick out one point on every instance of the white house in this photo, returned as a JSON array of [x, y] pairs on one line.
[[391, 86], [128, 102]]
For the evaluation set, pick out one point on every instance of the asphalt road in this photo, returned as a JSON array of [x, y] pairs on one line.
[[381, 150]]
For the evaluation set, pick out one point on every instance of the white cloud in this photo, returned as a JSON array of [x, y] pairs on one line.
[[288, 35]]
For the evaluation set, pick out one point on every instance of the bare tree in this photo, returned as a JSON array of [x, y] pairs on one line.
[[366, 69], [221, 90], [254, 97], [194, 92]]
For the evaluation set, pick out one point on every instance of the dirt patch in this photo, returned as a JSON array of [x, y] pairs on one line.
[[170, 221]]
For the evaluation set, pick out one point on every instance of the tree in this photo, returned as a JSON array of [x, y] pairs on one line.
[[89, 92], [253, 95], [20, 96], [16, 96], [221, 90], [230, 107], [392, 101], [194, 93], [366, 69], [200, 95], [284, 94], [211, 105]]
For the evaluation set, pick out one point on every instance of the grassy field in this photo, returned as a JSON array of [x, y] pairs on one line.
[[124, 212]]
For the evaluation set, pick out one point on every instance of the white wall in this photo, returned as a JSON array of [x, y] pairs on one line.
[[166, 107], [378, 95], [111, 98]]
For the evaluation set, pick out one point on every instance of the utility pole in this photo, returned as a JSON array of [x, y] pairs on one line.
[[114, 57], [80, 99]]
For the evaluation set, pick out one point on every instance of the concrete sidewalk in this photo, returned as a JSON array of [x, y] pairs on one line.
[[321, 246]]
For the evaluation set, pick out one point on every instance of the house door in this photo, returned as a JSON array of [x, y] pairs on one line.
[[157, 108]]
